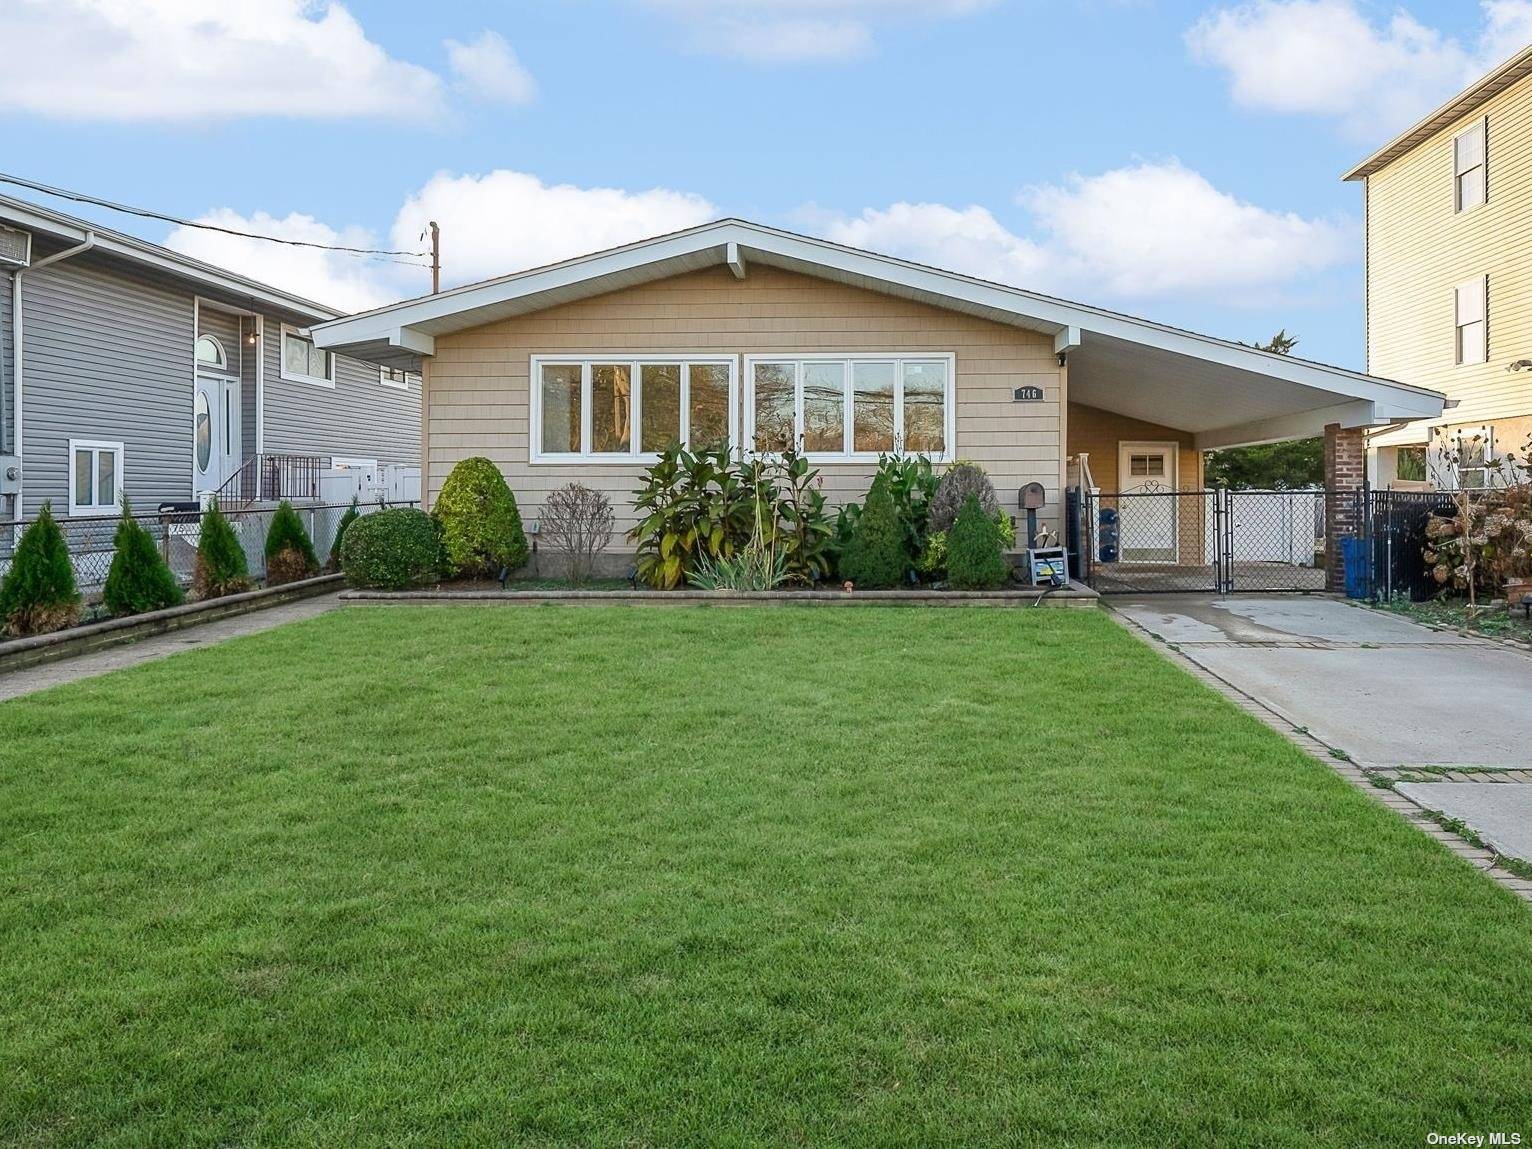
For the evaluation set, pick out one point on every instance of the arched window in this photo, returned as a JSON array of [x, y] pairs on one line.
[[210, 353]]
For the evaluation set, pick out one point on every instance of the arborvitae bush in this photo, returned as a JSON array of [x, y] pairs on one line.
[[974, 558], [351, 515], [875, 557], [960, 481], [139, 579], [289, 551], [39, 594], [399, 547], [480, 524], [221, 568]]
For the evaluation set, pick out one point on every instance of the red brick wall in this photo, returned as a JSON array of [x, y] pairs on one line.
[[1345, 471]]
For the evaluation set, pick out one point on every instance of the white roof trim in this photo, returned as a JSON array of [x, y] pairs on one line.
[[713, 244]]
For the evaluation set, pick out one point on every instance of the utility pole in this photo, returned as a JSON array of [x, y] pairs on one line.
[[436, 259]]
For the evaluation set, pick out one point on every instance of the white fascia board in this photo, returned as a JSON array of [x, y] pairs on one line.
[[1280, 428], [411, 340], [1066, 340]]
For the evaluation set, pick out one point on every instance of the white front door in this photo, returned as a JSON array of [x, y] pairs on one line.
[[1148, 513], [216, 426]]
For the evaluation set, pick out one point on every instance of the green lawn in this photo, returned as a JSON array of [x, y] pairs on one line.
[[561, 876]]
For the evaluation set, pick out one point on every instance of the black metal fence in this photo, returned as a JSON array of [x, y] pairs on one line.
[[1393, 527], [90, 540]]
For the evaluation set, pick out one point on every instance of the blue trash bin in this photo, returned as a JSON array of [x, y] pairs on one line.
[[1356, 561]]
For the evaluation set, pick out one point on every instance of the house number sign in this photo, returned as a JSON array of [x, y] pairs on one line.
[[1028, 394]]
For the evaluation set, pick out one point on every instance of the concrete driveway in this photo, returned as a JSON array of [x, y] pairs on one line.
[[1391, 694]]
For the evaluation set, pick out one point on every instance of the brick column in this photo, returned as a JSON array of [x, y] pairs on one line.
[[1345, 472]]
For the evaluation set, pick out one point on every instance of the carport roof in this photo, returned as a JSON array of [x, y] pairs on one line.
[[1225, 393]]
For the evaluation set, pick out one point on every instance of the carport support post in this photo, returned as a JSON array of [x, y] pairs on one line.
[[1345, 472]]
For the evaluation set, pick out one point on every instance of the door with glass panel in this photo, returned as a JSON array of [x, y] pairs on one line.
[[216, 427]]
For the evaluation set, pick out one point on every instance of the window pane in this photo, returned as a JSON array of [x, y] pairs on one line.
[[295, 355], [202, 432], [773, 406], [709, 403], [209, 352], [1471, 343], [824, 407], [319, 363], [84, 493], [661, 415], [925, 407], [611, 408], [1471, 188], [872, 406], [561, 408], [106, 471]]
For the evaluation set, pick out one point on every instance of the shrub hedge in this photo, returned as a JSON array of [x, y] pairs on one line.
[[480, 525], [139, 579], [220, 568], [38, 593], [874, 557], [974, 559], [392, 549], [289, 550]]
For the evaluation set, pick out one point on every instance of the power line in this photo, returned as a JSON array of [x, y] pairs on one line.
[[145, 213]]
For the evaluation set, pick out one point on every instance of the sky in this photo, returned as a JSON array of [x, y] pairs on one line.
[[1174, 159]]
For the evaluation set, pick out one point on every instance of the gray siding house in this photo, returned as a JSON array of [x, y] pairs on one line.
[[128, 369]]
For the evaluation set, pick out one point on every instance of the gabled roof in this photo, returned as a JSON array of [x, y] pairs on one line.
[[45, 221], [1213, 384], [1465, 103]]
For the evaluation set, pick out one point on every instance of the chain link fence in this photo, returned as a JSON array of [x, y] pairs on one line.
[[176, 533]]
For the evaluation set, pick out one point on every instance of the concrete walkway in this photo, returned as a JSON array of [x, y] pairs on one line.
[[1404, 702], [19, 683]]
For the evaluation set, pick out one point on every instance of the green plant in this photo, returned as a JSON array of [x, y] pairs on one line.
[[757, 566], [911, 486], [875, 555], [391, 549], [803, 526], [974, 561], [38, 593], [289, 551], [693, 505], [933, 559], [577, 523], [480, 523], [953, 488], [352, 514], [220, 568], [139, 579]]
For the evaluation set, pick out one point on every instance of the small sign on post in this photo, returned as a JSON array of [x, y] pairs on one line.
[[1028, 394]]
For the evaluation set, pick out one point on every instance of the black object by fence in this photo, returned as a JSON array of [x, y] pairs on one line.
[[1393, 523]]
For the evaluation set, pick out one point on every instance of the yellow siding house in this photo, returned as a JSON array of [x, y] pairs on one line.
[[1449, 276]]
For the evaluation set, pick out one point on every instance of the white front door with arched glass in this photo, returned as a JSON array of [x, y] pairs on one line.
[[1148, 515], [216, 450]]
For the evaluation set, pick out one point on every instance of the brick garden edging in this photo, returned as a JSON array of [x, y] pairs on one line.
[[19, 653], [1426, 821], [1075, 595]]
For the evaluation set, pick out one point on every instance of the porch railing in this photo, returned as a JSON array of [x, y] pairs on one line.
[[270, 478]]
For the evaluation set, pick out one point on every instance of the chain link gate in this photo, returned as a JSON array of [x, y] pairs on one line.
[[1208, 541]]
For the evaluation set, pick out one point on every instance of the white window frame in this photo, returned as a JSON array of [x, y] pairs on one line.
[[385, 381], [1475, 288], [1462, 438], [293, 376], [97, 447], [685, 359], [223, 354], [898, 359], [1479, 128]]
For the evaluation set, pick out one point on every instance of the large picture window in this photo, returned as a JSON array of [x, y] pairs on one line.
[[303, 362], [851, 407], [616, 408]]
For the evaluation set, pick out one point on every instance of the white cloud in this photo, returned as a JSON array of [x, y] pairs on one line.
[[188, 61], [488, 69], [1150, 231], [505, 221], [797, 31], [1330, 58]]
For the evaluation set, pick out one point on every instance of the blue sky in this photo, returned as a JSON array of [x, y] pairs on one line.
[[1170, 158]]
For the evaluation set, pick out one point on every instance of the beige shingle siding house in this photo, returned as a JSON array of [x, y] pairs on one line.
[[1449, 265], [584, 369]]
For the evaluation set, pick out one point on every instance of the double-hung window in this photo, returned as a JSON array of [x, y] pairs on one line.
[[1475, 456], [1470, 168], [609, 409], [95, 477], [1470, 303], [854, 407], [302, 362]]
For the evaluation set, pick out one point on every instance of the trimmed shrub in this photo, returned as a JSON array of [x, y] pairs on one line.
[[392, 549], [874, 557], [480, 525], [39, 594], [351, 515], [139, 579], [221, 568], [974, 560], [289, 551], [960, 481]]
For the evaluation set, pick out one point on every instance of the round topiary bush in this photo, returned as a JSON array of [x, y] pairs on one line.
[[392, 549], [974, 559], [960, 481], [480, 525], [874, 558]]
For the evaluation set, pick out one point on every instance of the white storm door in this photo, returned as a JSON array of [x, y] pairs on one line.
[[1147, 517]]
